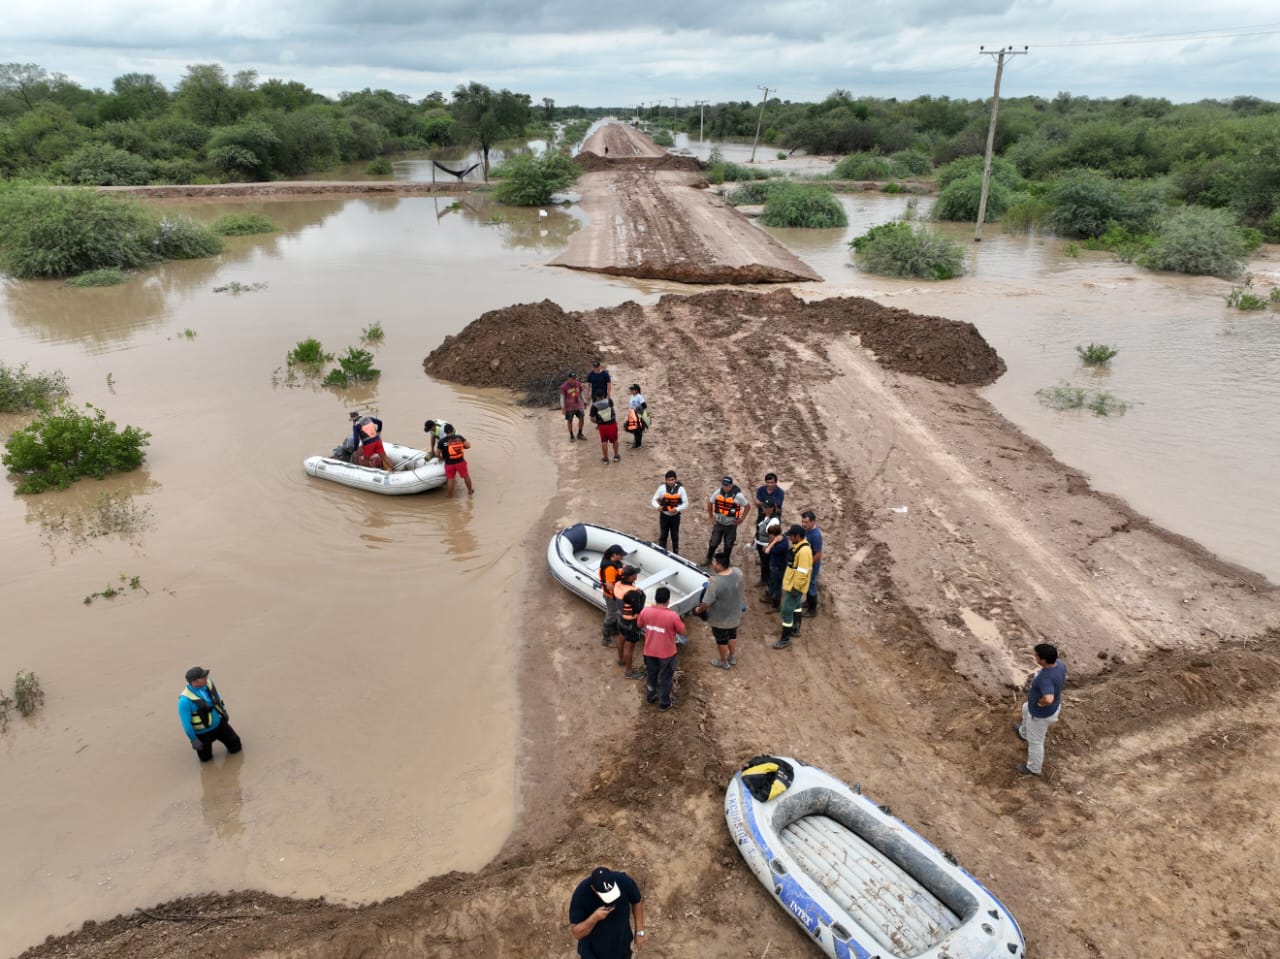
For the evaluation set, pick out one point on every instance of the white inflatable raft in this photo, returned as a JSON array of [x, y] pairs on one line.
[[860, 881], [574, 557], [414, 472]]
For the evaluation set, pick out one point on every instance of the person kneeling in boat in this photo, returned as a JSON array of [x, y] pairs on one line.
[[370, 452]]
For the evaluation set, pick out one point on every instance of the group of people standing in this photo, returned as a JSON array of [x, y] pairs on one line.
[[595, 399]]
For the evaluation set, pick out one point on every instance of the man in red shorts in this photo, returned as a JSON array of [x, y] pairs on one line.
[[606, 419], [455, 464], [370, 452]]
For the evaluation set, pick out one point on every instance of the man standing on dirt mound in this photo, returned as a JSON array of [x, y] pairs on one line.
[[727, 508], [1042, 708], [599, 917]]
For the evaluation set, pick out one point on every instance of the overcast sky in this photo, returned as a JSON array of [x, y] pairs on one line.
[[597, 52]]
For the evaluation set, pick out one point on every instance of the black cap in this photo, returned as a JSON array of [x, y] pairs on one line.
[[796, 530], [196, 672], [630, 570], [604, 882], [636, 387]]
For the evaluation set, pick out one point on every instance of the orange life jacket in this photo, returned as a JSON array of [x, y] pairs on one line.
[[453, 448], [633, 421], [726, 504], [670, 500]]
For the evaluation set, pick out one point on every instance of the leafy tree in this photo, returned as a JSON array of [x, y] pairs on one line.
[[99, 164], [254, 137], [134, 96], [24, 83], [62, 444], [484, 117], [1199, 241], [66, 232], [530, 181], [287, 95], [1085, 203], [205, 96]]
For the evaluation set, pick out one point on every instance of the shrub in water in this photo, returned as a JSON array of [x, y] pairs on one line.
[[531, 181], [798, 205], [62, 444], [753, 193], [1085, 203], [720, 170], [1096, 354], [1002, 171], [20, 390], [308, 352], [372, 333], [242, 224], [108, 276], [182, 238], [663, 138], [911, 163], [100, 164], [960, 199], [46, 232], [1025, 212], [863, 166], [1064, 396], [355, 367], [378, 166], [1200, 241], [1243, 297], [27, 694], [899, 249]]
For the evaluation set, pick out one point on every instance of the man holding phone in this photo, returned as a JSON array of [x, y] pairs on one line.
[[598, 915]]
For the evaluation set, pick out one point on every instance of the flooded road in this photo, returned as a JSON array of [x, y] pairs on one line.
[[389, 619], [362, 642]]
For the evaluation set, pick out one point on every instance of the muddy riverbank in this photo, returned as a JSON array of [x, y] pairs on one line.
[[954, 542]]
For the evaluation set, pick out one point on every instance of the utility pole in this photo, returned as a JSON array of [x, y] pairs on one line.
[[991, 132], [675, 119], [702, 111], [760, 122]]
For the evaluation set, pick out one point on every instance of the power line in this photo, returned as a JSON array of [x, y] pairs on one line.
[[1259, 30]]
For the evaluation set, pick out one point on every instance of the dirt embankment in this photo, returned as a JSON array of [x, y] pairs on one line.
[[953, 542], [279, 189]]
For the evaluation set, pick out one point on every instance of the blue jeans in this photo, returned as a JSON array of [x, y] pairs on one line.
[[660, 675], [813, 580]]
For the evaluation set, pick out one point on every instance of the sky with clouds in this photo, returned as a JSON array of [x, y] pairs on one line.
[[622, 53]]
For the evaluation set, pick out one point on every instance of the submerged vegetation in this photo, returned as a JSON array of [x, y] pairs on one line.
[[242, 224], [533, 180], [1065, 396], [800, 205], [901, 249], [1096, 354], [107, 276], [21, 391], [63, 444], [28, 696], [356, 366]]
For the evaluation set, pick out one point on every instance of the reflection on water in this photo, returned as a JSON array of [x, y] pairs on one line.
[[221, 798]]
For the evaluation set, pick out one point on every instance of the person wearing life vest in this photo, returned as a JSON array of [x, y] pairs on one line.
[[204, 716], [435, 433], [367, 432], [636, 407], [670, 501], [610, 572], [795, 583], [452, 446], [606, 420], [769, 514], [727, 508], [630, 603]]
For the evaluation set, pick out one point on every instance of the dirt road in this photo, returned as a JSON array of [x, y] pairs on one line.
[[636, 191]]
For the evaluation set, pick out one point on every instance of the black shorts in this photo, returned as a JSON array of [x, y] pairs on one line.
[[570, 414], [724, 634]]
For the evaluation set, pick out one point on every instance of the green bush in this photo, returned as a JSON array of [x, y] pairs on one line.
[[108, 276], [960, 199], [46, 232], [62, 444], [1084, 203], [1199, 241], [28, 695], [1096, 354], [863, 166], [531, 181], [911, 163], [1243, 298], [1064, 396], [373, 333], [1026, 211], [1123, 242], [355, 367], [663, 138], [753, 192], [20, 390], [308, 352], [100, 164], [899, 249], [182, 238], [1002, 171], [800, 205], [379, 166], [242, 224]]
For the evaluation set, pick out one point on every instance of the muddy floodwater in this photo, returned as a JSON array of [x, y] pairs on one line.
[[364, 643]]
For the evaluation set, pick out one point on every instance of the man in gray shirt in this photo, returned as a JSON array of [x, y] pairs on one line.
[[722, 604]]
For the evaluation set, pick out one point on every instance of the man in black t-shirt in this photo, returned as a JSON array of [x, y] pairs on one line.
[[600, 381], [598, 915]]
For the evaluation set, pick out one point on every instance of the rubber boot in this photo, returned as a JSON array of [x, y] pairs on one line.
[[795, 627], [811, 604], [785, 639]]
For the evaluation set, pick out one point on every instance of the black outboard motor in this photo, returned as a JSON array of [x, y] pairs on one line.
[[345, 451]]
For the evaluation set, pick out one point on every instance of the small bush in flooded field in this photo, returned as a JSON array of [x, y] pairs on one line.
[[20, 390], [781, 155], [112, 590], [1243, 298], [1072, 250], [182, 238], [28, 696], [355, 367], [62, 444], [45, 232], [1096, 354], [663, 138], [753, 193], [243, 224], [373, 333], [719, 170], [1199, 241], [109, 276], [308, 352], [797, 205], [899, 249], [531, 181], [235, 287], [863, 166], [378, 166], [1064, 396]]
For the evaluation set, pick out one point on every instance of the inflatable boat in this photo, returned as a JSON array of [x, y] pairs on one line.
[[413, 471], [574, 557], [858, 880]]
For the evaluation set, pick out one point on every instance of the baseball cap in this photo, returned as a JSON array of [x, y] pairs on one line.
[[196, 672], [604, 882], [796, 530], [727, 481], [595, 362], [773, 524]]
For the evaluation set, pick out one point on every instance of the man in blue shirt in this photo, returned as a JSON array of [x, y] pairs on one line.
[[600, 381], [598, 915], [204, 715], [809, 520], [1042, 708]]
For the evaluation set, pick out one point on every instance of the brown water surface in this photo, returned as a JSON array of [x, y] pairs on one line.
[[362, 642]]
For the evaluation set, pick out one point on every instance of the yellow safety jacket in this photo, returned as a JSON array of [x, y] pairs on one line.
[[799, 568], [202, 713]]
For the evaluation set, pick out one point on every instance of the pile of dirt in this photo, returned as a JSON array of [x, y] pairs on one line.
[[527, 347], [594, 163]]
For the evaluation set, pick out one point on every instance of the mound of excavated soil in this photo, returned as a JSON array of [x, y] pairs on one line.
[[530, 347], [594, 163], [527, 347]]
